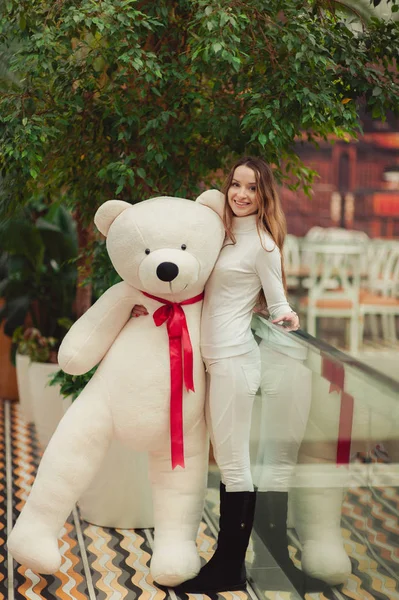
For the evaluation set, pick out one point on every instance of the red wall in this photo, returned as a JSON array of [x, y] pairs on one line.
[[376, 202]]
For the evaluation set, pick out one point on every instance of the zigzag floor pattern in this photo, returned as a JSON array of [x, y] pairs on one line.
[[371, 541], [99, 563], [107, 564], [370, 527]]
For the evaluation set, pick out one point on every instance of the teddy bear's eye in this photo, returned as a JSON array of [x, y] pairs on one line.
[[147, 250], [183, 246]]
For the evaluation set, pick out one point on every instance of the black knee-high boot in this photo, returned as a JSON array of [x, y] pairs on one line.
[[271, 527], [226, 569]]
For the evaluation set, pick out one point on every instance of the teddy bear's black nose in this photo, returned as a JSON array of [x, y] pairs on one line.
[[167, 271]]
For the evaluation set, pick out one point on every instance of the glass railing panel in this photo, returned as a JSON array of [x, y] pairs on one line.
[[325, 460]]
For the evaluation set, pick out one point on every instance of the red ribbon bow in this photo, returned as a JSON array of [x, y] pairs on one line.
[[335, 374], [181, 362]]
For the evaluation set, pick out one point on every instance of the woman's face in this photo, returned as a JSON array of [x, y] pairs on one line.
[[242, 194]]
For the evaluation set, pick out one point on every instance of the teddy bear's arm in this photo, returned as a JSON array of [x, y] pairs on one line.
[[92, 335]]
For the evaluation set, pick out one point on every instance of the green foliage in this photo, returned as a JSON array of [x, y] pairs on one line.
[[132, 99], [103, 274], [71, 385], [39, 249]]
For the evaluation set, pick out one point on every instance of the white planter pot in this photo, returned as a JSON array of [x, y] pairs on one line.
[[120, 494], [46, 400], [25, 400]]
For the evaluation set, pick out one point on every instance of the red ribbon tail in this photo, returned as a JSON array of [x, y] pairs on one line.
[[176, 403], [181, 367], [345, 429], [334, 388], [188, 359], [177, 462], [333, 372]]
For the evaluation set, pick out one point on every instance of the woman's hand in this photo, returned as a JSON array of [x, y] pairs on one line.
[[290, 321], [139, 310]]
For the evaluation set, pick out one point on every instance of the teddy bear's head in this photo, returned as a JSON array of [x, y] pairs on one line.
[[164, 246]]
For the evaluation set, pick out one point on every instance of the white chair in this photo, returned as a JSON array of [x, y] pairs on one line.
[[315, 234], [334, 285], [380, 296], [337, 235], [373, 263], [292, 261]]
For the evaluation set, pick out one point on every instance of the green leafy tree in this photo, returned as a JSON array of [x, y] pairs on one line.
[[132, 98]]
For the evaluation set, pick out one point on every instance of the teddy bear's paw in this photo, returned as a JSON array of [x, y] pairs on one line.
[[29, 547], [175, 563], [326, 560]]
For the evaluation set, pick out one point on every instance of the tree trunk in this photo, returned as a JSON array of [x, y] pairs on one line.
[[84, 287]]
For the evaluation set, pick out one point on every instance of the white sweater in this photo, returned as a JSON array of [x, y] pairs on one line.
[[231, 292]]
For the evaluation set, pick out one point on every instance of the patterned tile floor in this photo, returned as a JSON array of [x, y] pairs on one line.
[[370, 528], [109, 564]]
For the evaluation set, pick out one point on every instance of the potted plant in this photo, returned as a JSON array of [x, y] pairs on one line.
[[36, 361], [22, 362], [40, 281], [38, 291]]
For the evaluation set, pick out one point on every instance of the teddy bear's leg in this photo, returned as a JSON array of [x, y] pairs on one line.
[[71, 459], [178, 497], [316, 501]]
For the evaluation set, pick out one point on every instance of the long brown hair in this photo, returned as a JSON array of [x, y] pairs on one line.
[[270, 216]]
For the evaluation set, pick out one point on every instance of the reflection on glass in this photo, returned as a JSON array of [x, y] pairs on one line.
[[325, 454]]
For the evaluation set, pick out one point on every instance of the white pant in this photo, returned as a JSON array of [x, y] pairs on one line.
[[231, 387], [286, 397]]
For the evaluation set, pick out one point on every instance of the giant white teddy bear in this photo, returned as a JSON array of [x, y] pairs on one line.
[[143, 390]]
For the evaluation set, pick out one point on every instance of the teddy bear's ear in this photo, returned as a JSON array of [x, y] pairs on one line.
[[107, 214], [214, 200]]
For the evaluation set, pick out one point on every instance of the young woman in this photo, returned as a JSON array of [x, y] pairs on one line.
[[249, 270]]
